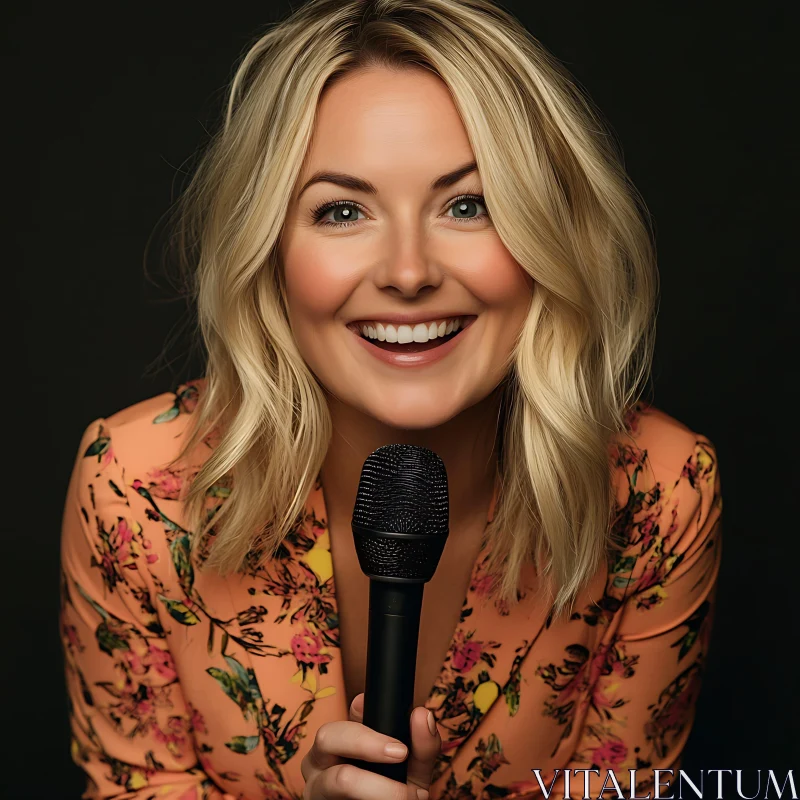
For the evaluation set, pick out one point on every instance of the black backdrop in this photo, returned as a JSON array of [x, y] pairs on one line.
[[106, 105]]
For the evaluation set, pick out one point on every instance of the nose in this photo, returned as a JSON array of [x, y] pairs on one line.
[[408, 269]]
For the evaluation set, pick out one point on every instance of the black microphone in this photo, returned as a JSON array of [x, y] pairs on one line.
[[400, 526]]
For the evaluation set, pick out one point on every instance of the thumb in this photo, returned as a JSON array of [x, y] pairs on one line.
[[425, 748]]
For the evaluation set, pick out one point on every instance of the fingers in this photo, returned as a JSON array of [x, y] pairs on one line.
[[338, 740], [425, 748], [329, 779], [347, 782], [357, 708]]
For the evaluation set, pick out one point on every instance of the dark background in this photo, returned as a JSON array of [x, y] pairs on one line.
[[107, 105]]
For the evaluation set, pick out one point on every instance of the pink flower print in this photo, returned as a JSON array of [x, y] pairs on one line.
[[647, 531], [270, 737], [494, 761], [466, 656], [71, 633], [136, 664], [308, 649], [196, 721], [162, 662], [205, 763], [151, 557], [677, 711], [649, 578], [611, 753], [165, 483], [453, 744], [122, 543], [608, 668], [174, 738], [189, 394], [293, 733], [107, 457], [139, 700], [482, 585], [603, 695]]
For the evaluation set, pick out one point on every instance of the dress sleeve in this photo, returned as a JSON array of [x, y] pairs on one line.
[[132, 731], [646, 675]]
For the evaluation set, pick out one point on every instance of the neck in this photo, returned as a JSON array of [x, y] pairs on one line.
[[466, 445]]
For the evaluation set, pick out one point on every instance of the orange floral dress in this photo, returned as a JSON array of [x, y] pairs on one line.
[[187, 685]]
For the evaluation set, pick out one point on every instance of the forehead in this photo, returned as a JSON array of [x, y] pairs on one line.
[[380, 121]]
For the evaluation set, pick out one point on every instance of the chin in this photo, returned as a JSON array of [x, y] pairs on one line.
[[417, 416]]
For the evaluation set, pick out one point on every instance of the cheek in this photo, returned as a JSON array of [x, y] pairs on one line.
[[494, 277], [317, 282]]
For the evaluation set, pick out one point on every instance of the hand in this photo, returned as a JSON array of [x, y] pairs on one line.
[[328, 777]]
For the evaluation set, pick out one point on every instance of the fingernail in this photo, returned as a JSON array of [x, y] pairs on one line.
[[395, 750], [431, 723], [422, 794]]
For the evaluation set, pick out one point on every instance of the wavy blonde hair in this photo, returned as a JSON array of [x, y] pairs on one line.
[[559, 199]]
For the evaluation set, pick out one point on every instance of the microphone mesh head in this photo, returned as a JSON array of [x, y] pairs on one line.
[[403, 495]]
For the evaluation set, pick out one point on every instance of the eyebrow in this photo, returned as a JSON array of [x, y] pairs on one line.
[[360, 185]]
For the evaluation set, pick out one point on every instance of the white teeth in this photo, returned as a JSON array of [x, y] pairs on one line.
[[404, 334], [421, 333]]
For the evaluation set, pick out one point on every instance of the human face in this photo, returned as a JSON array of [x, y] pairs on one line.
[[408, 255]]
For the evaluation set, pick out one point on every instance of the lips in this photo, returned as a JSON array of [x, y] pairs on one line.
[[413, 354]]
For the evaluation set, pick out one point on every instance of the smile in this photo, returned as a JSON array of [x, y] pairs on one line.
[[411, 344]]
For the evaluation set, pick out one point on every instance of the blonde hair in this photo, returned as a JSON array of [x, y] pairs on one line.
[[559, 199]]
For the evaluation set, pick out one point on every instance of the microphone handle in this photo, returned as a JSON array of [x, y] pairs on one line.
[[394, 616]]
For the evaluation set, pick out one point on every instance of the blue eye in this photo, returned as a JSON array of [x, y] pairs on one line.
[[351, 210], [460, 205]]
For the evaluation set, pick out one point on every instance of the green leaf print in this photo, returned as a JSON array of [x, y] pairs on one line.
[[511, 693], [239, 685], [97, 447], [167, 415], [179, 611], [117, 491], [108, 640], [624, 564], [179, 548], [211, 638], [244, 677], [98, 608], [243, 744], [225, 680]]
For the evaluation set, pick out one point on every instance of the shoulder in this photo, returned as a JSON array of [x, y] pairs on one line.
[[669, 503], [138, 448], [127, 470], [148, 433], [660, 440], [657, 451]]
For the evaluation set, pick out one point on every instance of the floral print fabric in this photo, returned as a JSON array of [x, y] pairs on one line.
[[186, 685]]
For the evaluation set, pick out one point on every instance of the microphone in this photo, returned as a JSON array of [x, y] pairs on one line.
[[400, 526]]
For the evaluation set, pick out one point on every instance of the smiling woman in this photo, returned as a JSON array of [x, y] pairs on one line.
[[402, 256], [411, 228]]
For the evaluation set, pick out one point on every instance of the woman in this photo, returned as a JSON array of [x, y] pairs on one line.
[[410, 229]]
